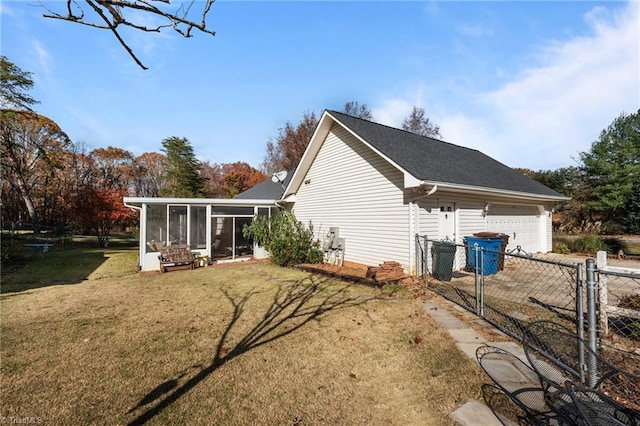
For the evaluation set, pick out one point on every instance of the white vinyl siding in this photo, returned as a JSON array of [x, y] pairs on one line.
[[350, 187], [428, 219], [471, 219]]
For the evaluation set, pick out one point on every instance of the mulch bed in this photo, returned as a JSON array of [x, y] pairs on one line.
[[356, 272], [348, 272]]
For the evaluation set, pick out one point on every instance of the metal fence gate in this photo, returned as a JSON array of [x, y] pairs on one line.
[[512, 288]]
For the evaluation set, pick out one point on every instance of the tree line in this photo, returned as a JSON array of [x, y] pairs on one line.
[[49, 180]]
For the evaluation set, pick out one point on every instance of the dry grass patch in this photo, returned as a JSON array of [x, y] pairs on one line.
[[248, 344]]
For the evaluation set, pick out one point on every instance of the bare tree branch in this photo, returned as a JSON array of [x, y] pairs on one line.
[[113, 30], [114, 13]]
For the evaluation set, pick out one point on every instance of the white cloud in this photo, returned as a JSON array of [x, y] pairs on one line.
[[553, 109], [392, 112], [43, 58]]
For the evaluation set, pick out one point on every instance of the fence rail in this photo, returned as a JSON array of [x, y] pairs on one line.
[[512, 289], [619, 299]]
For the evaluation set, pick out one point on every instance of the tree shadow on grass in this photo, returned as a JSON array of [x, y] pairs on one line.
[[55, 267], [293, 306]]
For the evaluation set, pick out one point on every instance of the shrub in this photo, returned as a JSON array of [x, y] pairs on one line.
[[288, 241], [561, 245], [589, 244], [561, 249]]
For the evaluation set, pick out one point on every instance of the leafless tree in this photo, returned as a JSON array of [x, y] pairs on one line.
[[417, 122], [285, 151], [355, 109], [112, 14]]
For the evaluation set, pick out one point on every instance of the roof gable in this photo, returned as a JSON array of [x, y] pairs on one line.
[[433, 161]]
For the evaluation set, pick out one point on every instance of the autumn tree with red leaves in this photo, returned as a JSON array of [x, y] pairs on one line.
[[113, 169], [238, 177], [229, 179], [286, 150]]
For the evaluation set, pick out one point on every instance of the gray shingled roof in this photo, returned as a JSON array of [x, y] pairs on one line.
[[267, 190], [436, 161]]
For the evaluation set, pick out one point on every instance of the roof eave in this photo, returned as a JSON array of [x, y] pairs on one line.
[[234, 202], [493, 192]]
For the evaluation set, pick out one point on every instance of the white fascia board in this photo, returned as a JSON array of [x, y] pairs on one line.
[[410, 181], [138, 201], [317, 139], [493, 192]]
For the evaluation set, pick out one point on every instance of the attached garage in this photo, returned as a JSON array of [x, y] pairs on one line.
[[382, 186], [525, 226]]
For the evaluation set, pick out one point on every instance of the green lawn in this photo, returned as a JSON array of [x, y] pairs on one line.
[[88, 340]]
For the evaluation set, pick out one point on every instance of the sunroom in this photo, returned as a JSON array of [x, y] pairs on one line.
[[211, 228]]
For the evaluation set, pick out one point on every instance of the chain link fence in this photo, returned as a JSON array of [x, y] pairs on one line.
[[512, 288], [618, 303]]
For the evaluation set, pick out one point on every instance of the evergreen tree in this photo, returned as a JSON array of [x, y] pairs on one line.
[[631, 222], [612, 171], [182, 170], [14, 83]]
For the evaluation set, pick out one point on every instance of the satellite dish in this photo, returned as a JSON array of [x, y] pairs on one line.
[[279, 177]]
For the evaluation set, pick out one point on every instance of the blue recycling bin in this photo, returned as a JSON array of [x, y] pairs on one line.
[[490, 247]]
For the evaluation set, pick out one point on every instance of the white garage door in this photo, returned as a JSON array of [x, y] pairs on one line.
[[521, 223]]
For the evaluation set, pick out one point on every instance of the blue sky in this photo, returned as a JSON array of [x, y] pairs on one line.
[[531, 84]]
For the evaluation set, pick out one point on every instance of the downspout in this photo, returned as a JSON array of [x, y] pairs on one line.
[[414, 210], [431, 192]]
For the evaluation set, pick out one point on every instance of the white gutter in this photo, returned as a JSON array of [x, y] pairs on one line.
[[132, 207], [128, 201], [494, 192]]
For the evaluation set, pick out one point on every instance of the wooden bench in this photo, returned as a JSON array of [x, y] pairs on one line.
[[176, 255]]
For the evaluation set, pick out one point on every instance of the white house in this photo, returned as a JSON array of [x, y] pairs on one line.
[[379, 186]]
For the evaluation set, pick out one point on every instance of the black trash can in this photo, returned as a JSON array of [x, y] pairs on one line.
[[443, 256]]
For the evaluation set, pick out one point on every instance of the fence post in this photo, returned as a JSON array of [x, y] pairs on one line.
[[591, 323], [418, 248], [425, 261], [603, 294], [580, 317], [476, 280]]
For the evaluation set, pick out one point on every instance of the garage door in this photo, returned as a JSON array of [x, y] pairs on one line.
[[521, 223]]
